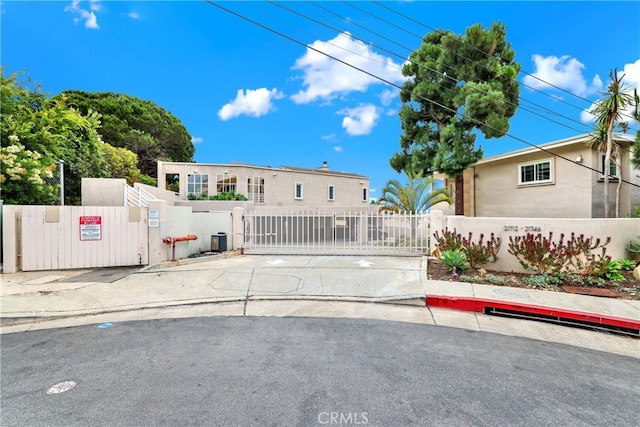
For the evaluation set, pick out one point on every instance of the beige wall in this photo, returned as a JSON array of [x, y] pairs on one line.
[[279, 183], [214, 205], [496, 192], [103, 191]]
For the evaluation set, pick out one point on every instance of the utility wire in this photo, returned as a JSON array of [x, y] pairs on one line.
[[589, 128], [455, 81], [399, 87]]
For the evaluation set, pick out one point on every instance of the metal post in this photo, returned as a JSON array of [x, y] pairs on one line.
[[61, 168]]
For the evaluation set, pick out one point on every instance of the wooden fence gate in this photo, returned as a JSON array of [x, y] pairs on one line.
[[63, 237]]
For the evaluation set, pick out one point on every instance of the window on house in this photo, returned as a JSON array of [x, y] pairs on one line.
[[198, 184], [535, 173], [226, 183], [255, 187], [331, 193], [298, 191], [613, 168], [172, 182], [365, 197]]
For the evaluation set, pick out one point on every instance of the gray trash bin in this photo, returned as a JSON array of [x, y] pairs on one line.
[[219, 242]]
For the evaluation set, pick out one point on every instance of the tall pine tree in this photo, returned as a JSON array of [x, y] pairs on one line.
[[457, 85]]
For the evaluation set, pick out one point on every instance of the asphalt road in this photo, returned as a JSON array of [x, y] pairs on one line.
[[242, 371]]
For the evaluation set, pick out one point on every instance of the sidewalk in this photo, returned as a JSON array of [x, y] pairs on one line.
[[309, 286]]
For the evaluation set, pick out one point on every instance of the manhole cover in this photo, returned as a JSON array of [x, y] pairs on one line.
[[61, 387]]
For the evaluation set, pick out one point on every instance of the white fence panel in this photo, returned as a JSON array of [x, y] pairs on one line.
[[336, 231], [62, 237]]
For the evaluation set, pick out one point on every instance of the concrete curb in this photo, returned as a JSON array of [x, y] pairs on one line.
[[15, 317]]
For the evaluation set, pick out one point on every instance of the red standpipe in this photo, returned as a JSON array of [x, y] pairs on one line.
[[172, 241]]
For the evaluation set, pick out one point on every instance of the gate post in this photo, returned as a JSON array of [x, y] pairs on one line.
[[237, 228], [436, 223]]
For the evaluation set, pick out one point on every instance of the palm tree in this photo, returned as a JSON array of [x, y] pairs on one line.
[[608, 113], [417, 195], [598, 140], [635, 158]]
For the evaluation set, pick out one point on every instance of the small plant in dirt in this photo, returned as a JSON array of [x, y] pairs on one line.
[[477, 253], [455, 259], [627, 264], [543, 281], [634, 247], [610, 270]]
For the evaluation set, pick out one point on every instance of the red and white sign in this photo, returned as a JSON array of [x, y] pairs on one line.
[[90, 228]]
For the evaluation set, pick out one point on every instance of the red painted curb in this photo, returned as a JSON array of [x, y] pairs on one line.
[[480, 305]]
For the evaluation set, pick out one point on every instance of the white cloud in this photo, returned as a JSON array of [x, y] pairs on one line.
[[360, 120], [89, 17], [564, 72], [338, 149], [133, 15], [329, 137], [253, 103], [197, 140], [387, 96], [631, 81], [325, 78]]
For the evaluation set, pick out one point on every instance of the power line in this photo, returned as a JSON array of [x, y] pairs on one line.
[[555, 113], [486, 54], [399, 87], [341, 32]]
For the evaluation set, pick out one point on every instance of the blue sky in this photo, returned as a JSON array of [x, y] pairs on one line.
[[248, 95]]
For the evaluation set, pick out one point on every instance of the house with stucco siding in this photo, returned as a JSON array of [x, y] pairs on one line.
[[285, 186], [561, 179]]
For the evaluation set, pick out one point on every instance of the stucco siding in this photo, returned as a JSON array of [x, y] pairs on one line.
[[498, 193], [279, 184]]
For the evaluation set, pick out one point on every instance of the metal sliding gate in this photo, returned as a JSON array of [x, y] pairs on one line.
[[335, 232]]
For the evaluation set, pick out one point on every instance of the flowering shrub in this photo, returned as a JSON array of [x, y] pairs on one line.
[[542, 254], [23, 175], [477, 253]]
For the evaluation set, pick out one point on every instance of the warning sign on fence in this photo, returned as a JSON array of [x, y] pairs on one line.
[[90, 228]]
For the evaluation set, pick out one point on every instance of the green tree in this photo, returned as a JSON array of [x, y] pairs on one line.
[[47, 130], [141, 126], [608, 113], [457, 84], [121, 163], [417, 195]]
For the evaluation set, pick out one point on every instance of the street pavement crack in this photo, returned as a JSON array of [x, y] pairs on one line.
[[246, 300]]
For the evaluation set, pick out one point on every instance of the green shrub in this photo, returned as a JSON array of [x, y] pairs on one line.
[[481, 252], [230, 195], [635, 246], [455, 260], [542, 254], [611, 270], [544, 281], [450, 240], [627, 264], [477, 253]]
